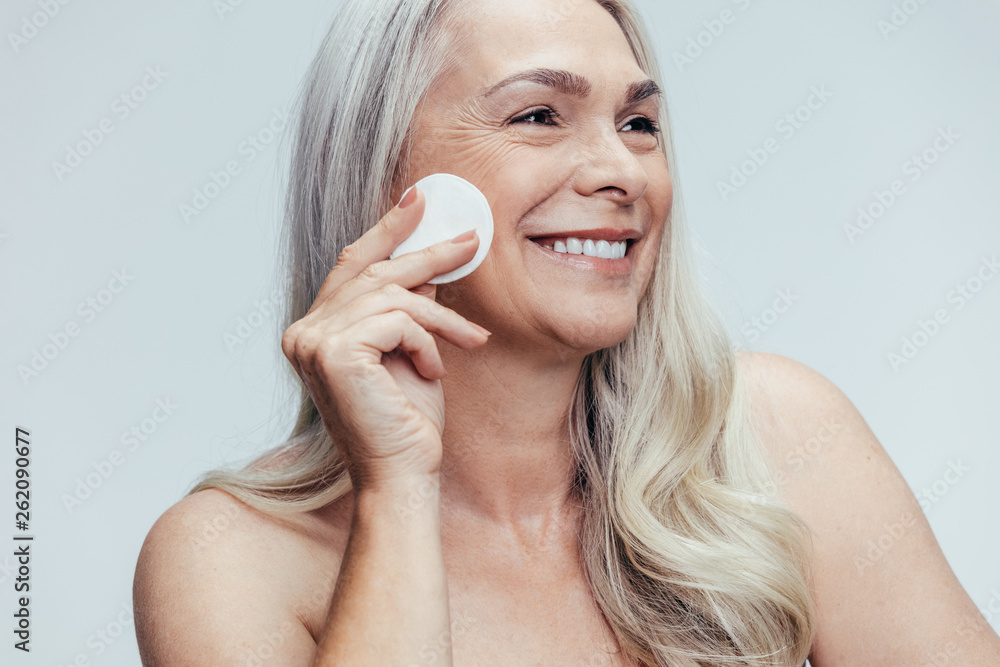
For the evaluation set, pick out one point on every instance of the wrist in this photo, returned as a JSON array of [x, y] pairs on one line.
[[384, 477], [402, 497]]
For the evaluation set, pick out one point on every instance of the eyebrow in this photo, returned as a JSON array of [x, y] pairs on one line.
[[569, 83]]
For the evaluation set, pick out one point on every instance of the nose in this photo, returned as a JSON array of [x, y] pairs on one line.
[[609, 168]]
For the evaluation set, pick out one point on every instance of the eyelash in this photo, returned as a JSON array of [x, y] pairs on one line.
[[652, 128]]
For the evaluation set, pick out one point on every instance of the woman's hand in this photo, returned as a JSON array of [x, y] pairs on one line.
[[384, 409]]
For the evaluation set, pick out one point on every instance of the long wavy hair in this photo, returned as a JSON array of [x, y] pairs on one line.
[[691, 555]]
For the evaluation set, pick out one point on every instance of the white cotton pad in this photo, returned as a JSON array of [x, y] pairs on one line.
[[453, 205]]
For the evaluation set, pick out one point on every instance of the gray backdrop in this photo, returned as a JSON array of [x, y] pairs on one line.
[[837, 163]]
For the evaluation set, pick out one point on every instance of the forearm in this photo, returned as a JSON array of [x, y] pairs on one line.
[[391, 597]]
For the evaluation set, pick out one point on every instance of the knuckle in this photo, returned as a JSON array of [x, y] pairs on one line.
[[328, 352], [288, 341], [301, 350], [428, 309], [348, 254], [305, 346], [394, 290], [373, 272], [400, 319], [383, 297]]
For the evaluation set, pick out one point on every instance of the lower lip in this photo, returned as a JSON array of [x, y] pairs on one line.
[[587, 263]]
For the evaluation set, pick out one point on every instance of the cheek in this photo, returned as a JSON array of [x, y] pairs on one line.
[[660, 192], [516, 178], [517, 185], [524, 187], [660, 196], [661, 203]]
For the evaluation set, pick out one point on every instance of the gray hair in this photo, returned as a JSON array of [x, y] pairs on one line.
[[691, 558]]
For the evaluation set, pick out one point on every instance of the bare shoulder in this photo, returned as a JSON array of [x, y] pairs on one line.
[[219, 582], [799, 411], [884, 592]]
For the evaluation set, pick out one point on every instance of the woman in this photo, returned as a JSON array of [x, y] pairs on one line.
[[613, 484]]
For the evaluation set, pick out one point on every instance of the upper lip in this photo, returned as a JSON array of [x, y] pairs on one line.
[[609, 234]]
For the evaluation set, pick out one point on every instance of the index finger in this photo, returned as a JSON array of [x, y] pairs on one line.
[[377, 243]]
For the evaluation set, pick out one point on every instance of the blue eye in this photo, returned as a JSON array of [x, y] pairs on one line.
[[650, 126]]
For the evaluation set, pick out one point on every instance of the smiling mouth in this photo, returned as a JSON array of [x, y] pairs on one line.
[[581, 261], [584, 247]]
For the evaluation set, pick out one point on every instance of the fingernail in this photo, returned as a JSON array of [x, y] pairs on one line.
[[486, 332], [464, 236], [409, 197]]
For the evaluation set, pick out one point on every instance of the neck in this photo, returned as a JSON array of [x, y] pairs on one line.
[[506, 448]]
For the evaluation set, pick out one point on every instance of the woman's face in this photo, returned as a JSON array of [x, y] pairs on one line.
[[566, 152]]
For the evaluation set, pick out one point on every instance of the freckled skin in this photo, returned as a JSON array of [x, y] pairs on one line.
[[590, 166]]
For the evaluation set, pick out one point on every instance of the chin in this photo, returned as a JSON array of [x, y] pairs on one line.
[[596, 333]]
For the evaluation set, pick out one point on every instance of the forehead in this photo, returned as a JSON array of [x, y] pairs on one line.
[[504, 37]]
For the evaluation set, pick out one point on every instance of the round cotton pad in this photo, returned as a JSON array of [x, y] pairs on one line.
[[453, 205]]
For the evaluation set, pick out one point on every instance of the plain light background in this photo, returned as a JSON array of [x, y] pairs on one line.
[[226, 76]]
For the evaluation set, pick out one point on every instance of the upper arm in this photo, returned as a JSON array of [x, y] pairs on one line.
[[204, 595], [884, 592]]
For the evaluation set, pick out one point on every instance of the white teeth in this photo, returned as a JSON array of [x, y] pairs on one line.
[[575, 246]]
